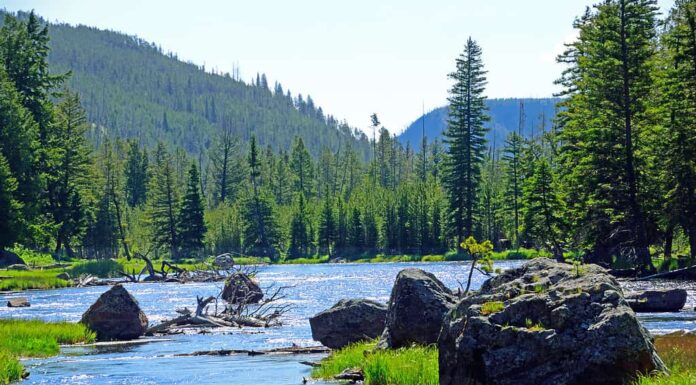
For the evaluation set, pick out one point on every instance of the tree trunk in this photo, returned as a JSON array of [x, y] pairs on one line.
[[669, 238]]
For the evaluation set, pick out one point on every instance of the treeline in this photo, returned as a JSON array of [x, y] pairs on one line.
[[614, 177]]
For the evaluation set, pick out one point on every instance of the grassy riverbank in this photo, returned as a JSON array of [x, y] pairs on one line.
[[31, 338], [418, 365]]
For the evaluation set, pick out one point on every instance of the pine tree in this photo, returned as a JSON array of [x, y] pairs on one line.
[[512, 154], [327, 226], [260, 230], [18, 145], [301, 164], [192, 227], [68, 176], [300, 239], [608, 84], [136, 175], [356, 234], [678, 145], [465, 138], [228, 168], [10, 208], [163, 203], [543, 210]]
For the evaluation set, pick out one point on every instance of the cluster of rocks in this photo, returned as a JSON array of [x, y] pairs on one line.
[[543, 323]]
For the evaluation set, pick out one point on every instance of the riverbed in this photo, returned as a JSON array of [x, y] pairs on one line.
[[311, 288]]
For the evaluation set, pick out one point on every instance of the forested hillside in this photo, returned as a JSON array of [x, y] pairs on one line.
[[131, 89], [538, 115]]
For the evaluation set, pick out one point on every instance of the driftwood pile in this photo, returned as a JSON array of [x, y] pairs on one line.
[[214, 312]]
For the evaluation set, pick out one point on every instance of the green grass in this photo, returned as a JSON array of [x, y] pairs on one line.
[[102, 268], [34, 279], [415, 365], [491, 307], [418, 365], [33, 338], [303, 261], [34, 258]]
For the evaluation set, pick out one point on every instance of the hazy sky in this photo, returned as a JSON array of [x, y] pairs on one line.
[[353, 57]]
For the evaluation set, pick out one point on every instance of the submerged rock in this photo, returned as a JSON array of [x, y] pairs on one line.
[[240, 288], [657, 301], [18, 302], [116, 315], [349, 321], [545, 323], [8, 258], [417, 306]]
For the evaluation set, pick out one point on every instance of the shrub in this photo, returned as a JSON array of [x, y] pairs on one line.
[[492, 307], [103, 268]]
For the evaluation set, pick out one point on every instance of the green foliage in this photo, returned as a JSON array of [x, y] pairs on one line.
[[465, 137], [30, 280], [164, 203], [103, 268], [415, 365], [31, 338], [491, 307], [191, 222]]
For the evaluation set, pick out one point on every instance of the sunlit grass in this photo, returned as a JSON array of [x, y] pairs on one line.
[[415, 365], [305, 261], [33, 338], [35, 279], [103, 268]]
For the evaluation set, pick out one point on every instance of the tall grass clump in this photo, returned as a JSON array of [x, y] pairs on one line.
[[34, 279], [102, 268], [415, 365], [33, 338], [678, 352], [10, 368]]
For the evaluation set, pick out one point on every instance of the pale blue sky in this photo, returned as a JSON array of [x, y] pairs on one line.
[[353, 57]]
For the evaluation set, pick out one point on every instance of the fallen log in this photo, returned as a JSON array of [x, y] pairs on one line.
[[285, 350], [674, 274]]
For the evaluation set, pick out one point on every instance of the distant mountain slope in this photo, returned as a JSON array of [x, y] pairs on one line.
[[132, 90], [504, 115]]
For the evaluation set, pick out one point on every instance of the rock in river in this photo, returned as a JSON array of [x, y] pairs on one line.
[[18, 302], [657, 301], [240, 288], [8, 258], [349, 321], [545, 323], [116, 316], [417, 306]]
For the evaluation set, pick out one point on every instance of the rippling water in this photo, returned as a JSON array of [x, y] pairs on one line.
[[312, 288]]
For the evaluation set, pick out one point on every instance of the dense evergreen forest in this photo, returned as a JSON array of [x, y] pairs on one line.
[[613, 178], [131, 89], [527, 116]]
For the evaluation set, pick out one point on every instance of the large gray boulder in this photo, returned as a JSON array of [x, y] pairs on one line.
[[8, 258], [545, 323], [240, 288], [116, 315], [349, 321], [417, 306], [657, 301]]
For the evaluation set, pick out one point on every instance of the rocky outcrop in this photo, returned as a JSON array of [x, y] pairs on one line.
[[545, 323], [417, 306], [349, 321], [657, 301], [18, 302], [8, 258], [116, 315], [240, 288]]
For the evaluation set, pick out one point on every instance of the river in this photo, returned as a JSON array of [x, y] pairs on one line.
[[312, 288]]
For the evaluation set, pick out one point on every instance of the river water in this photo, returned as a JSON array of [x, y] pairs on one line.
[[312, 288]]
